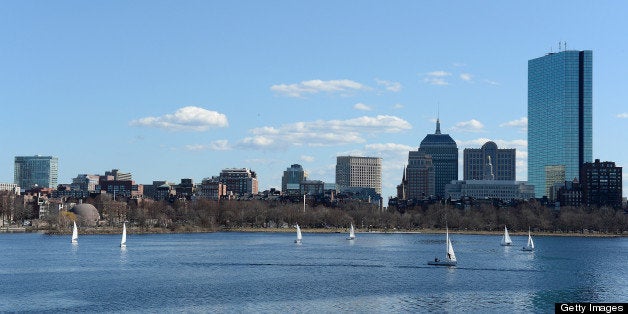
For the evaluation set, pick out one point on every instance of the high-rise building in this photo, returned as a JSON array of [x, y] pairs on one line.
[[559, 115], [42, 171], [354, 171], [418, 177], [601, 184], [476, 163], [292, 178], [444, 152]]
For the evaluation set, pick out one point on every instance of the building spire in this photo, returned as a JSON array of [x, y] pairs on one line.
[[437, 126]]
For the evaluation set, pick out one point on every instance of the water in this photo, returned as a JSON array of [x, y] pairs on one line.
[[267, 272]]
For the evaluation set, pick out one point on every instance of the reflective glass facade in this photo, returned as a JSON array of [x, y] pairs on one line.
[[559, 115], [41, 171]]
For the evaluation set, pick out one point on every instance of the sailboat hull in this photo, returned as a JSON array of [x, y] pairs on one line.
[[442, 263], [527, 249]]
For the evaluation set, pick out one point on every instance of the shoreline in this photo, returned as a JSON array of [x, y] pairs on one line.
[[136, 230], [427, 231]]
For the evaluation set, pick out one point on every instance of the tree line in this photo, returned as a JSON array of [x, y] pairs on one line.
[[212, 215]]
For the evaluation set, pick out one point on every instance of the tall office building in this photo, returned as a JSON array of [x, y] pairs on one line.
[[363, 172], [444, 152], [559, 115], [418, 178], [42, 171], [292, 178], [476, 162]]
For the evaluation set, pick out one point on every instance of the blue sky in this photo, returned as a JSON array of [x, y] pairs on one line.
[[182, 89]]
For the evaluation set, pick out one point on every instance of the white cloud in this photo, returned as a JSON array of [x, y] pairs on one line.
[[316, 86], [220, 145], [390, 86], [519, 123], [437, 78], [185, 119], [215, 145], [438, 73], [466, 77], [397, 106], [389, 147], [195, 147], [623, 115], [307, 158], [361, 106], [489, 82], [323, 132], [469, 126]]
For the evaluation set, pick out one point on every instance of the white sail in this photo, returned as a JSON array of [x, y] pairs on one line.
[[74, 234], [450, 249], [351, 233], [299, 236], [530, 245], [123, 241], [506, 238], [530, 242]]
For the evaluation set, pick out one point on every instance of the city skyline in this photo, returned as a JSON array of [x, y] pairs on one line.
[[169, 93]]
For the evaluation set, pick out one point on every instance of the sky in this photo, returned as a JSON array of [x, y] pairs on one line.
[[183, 89]]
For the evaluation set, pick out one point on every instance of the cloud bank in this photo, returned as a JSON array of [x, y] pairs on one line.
[[317, 86], [323, 132], [185, 119]]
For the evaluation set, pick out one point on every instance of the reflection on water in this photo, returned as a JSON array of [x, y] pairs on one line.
[[261, 272]]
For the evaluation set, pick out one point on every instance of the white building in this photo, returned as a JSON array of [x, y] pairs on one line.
[[363, 172], [489, 189], [10, 187]]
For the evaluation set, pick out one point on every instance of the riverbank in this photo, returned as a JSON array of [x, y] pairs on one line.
[[182, 229], [429, 231]]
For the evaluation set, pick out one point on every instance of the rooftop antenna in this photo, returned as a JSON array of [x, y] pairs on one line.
[[437, 118], [565, 45]]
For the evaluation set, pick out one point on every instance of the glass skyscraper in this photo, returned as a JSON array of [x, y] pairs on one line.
[[559, 115], [41, 171]]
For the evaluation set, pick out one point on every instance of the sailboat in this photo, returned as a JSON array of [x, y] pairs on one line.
[[74, 234], [530, 245], [450, 260], [299, 237], [351, 233], [123, 241], [506, 238]]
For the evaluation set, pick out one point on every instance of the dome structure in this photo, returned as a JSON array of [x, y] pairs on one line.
[[86, 213]]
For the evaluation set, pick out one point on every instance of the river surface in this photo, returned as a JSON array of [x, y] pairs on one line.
[[268, 272]]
